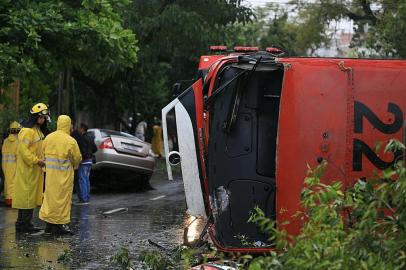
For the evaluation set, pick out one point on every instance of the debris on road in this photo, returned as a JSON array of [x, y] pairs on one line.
[[157, 245]]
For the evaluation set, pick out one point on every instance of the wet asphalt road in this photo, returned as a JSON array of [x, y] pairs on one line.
[[157, 214]]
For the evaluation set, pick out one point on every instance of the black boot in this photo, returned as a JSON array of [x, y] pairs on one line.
[[27, 228], [32, 228], [23, 223], [22, 218], [49, 228], [19, 227], [63, 229]]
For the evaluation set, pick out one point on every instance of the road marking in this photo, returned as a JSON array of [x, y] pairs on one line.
[[115, 211], [157, 198]]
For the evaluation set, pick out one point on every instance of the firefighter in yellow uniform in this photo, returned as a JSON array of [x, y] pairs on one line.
[[62, 157], [29, 178], [8, 161], [157, 143]]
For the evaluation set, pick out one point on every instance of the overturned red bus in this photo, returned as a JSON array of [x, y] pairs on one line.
[[248, 127]]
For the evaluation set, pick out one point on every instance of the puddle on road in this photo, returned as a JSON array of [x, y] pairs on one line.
[[97, 236], [27, 252]]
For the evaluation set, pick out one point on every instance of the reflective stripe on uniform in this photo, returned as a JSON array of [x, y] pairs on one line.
[[56, 160], [8, 161], [24, 141], [37, 140], [56, 167], [57, 164], [8, 158]]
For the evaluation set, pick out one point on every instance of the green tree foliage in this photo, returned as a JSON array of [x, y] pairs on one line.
[[172, 35], [300, 27], [359, 228], [379, 25], [178, 32], [271, 27], [39, 39]]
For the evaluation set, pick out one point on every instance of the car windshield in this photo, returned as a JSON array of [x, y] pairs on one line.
[[108, 133]]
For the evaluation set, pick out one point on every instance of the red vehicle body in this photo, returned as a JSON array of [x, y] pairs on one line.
[[257, 120]]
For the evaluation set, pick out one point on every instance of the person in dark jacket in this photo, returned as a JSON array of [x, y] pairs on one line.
[[87, 149]]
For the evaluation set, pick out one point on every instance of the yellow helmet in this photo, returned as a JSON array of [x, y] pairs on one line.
[[14, 128], [15, 125], [40, 108]]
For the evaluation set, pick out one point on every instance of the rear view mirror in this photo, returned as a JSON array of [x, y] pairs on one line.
[[174, 158]]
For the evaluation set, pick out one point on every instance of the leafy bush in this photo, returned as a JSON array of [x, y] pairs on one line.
[[66, 257], [363, 227], [155, 260], [181, 257], [122, 259]]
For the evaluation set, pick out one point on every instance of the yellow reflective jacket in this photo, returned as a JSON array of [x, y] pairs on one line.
[[157, 143], [29, 178], [62, 156], [8, 164]]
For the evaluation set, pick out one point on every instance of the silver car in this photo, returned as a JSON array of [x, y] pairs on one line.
[[122, 152]]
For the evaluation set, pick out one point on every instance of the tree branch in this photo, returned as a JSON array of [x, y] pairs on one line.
[[368, 13], [366, 7], [355, 17]]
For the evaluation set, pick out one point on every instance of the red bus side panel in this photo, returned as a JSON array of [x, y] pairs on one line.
[[336, 110]]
